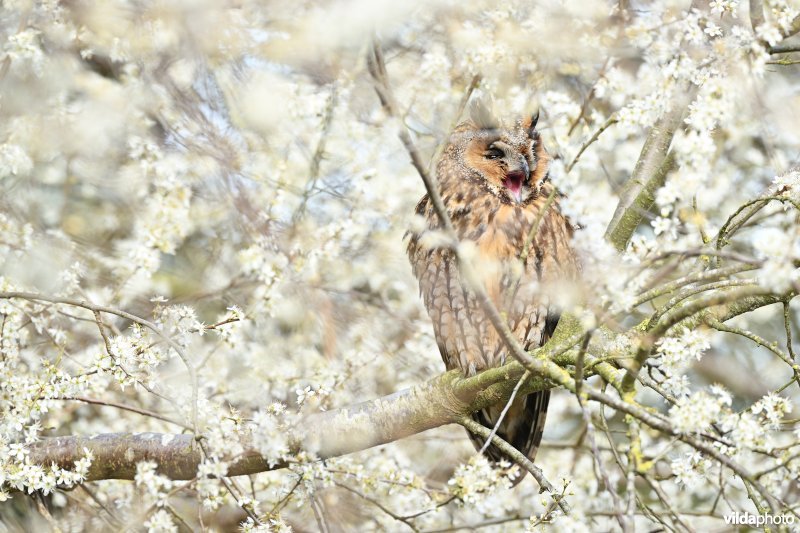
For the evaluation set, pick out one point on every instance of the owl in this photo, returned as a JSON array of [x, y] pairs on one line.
[[494, 182]]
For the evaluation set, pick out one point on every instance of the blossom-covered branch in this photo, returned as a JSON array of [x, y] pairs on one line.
[[443, 400]]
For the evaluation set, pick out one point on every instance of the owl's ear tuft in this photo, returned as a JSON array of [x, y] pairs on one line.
[[532, 133], [481, 111]]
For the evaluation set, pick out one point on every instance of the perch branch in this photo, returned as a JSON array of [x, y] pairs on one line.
[[442, 400]]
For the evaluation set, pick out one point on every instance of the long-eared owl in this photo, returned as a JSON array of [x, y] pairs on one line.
[[494, 181]]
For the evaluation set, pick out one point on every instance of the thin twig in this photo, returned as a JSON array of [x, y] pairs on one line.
[[744, 213], [319, 153], [483, 432], [403, 520], [665, 501], [716, 324], [703, 276], [589, 98], [693, 291], [522, 380], [132, 409], [473, 84], [785, 62], [607, 124], [599, 469], [787, 326]]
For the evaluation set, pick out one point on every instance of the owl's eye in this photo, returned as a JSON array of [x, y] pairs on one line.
[[493, 153]]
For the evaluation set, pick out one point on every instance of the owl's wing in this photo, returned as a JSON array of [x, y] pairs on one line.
[[432, 268], [533, 321], [457, 322]]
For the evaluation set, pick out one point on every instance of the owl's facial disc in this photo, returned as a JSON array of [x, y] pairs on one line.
[[505, 161], [509, 164]]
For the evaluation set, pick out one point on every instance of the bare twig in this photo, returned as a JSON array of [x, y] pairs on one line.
[[502, 416], [665, 501], [319, 153], [377, 68], [744, 213], [132, 409], [402, 519], [599, 469], [607, 124], [787, 326], [518, 457], [772, 347], [703, 276], [473, 84]]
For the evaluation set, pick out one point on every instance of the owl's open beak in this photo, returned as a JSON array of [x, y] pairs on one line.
[[515, 179]]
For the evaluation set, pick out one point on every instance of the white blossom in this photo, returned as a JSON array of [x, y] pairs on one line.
[[14, 161], [160, 522]]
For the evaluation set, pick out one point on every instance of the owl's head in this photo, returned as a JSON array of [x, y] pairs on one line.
[[508, 159]]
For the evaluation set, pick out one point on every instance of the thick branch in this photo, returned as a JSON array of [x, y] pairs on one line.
[[448, 398], [442, 400], [649, 173]]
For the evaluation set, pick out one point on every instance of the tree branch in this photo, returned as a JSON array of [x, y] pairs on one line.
[[784, 48], [377, 69], [650, 171], [442, 400]]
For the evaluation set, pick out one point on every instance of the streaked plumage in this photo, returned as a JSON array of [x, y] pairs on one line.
[[494, 182]]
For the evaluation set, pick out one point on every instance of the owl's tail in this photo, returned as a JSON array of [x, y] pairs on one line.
[[522, 427]]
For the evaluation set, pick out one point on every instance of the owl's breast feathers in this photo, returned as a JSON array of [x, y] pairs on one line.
[[499, 231]]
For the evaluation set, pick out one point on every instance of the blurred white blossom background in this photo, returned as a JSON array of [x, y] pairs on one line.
[[224, 170]]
